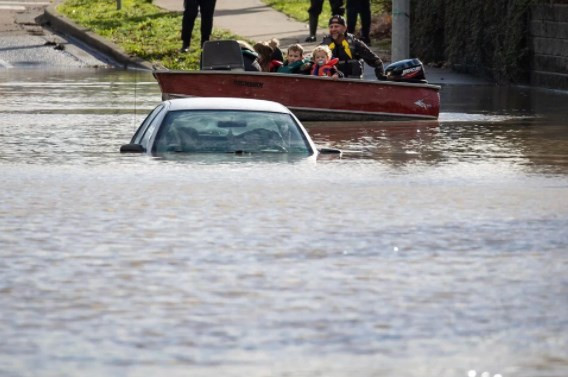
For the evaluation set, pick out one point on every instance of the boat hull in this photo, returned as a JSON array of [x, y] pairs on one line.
[[310, 98]]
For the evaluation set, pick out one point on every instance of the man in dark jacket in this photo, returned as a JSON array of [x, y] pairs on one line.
[[191, 8], [314, 12], [350, 51]]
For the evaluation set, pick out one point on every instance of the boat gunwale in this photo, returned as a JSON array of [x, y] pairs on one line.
[[300, 76]]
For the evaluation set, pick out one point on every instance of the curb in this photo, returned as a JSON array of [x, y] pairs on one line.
[[66, 27]]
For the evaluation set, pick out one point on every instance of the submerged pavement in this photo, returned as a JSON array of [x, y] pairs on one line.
[[24, 43]]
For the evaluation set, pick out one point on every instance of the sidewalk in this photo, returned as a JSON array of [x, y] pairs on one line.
[[252, 19]]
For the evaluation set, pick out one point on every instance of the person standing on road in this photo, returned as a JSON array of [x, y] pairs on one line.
[[350, 51], [363, 9], [191, 8], [315, 10]]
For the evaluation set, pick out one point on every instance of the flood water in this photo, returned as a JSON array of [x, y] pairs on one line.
[[429, 249]]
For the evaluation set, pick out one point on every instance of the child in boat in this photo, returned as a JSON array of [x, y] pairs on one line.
[[295, 62], [277, 54], [250, 57], [267, 64], [324, 65]]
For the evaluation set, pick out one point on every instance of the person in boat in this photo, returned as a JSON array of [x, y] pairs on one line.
[[295, 61], [324, 64], [267, 64], [191, 8], [277, 54], [250, 57], [315, 10], [350, 51]]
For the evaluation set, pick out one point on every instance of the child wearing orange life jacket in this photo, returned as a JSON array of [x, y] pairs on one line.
[[324, 65]]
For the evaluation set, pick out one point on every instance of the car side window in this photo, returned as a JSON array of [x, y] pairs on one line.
[[142, 130]]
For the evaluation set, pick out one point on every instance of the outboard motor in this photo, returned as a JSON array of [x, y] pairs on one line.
[[409, 70]]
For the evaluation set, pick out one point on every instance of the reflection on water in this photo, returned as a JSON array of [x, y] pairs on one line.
[[428, 249], [521, 144]]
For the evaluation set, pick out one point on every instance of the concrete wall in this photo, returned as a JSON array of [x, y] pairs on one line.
[[548, 41]]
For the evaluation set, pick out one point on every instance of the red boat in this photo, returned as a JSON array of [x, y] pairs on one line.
[[310, 98]]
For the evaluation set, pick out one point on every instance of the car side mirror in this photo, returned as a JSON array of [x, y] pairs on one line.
[[132, 148], [326, 150]]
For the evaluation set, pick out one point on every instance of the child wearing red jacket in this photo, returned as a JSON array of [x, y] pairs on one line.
[[265, 52], [324, 65]]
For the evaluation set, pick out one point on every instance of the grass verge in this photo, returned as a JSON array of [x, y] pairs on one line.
[[141, 29]]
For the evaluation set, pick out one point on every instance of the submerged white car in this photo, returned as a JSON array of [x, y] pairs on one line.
[[221, 125]]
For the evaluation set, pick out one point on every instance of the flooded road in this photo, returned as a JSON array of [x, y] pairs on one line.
[[430, 249]]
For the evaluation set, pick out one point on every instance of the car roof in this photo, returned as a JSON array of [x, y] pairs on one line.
[[226, 103]]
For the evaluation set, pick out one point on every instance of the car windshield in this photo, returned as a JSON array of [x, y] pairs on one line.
[[230, 132]]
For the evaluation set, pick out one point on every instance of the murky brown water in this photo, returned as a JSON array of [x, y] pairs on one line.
[[431, 249]]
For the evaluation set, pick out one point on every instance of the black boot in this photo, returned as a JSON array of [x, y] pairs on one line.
[[366, 39], [313, 28], [184, 47]]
